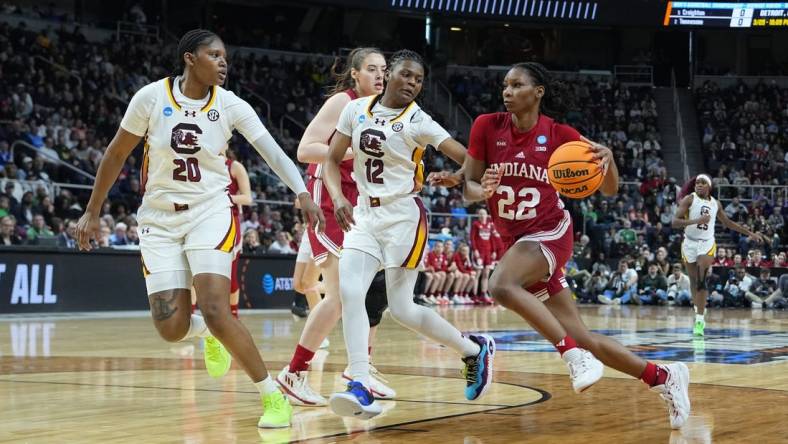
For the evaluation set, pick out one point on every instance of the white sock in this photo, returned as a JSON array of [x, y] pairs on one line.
[[266, 386], [197, 328], [700, 317]]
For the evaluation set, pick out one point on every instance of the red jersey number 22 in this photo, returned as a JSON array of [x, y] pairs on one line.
[[526, 208]]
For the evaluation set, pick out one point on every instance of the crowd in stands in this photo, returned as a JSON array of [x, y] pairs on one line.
[[70, 114]]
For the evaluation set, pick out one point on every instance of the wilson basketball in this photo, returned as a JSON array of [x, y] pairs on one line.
[[572, 171]]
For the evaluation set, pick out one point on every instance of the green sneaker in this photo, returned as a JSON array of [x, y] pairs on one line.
[[699, 326], [217, 358], [277, 411]]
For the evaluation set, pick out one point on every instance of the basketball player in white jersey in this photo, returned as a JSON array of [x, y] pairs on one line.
[[187, 231], [361, 77], [388, 134], [697, 214]]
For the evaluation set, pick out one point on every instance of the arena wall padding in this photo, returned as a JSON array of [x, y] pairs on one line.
[[50, 280]]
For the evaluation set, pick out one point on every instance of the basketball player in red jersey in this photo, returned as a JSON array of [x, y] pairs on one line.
[[240, 192], [465, 275], [436, 267], [362, 76], [482, 244], [507, 165]]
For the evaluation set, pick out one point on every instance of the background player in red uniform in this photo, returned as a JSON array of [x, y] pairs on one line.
[[436, 267], [482, 245], [507, 165], [240, 192], [465, 275]]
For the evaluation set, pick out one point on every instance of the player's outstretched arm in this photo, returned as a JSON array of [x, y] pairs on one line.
[[313, 147], [332, 178], [480, 180], [728, 223], [287, 171], [117, 152], [456, 152]]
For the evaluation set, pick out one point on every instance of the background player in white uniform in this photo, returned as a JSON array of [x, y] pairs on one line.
[[388, 134], [187, 231], [697, 214]]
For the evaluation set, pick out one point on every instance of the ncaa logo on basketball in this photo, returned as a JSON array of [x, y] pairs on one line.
[[213, 115], [397, 127], [167, 111]]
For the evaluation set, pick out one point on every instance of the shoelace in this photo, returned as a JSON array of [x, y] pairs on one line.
[[576, 367], [471, 369]]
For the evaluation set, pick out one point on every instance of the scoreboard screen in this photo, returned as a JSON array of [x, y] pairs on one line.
[[727, 14]]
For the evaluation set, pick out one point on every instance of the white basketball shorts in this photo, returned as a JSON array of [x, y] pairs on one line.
[[394, 233], [177, 245]]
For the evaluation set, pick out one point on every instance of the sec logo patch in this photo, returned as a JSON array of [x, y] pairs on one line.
[[213, 115], [397, 127]]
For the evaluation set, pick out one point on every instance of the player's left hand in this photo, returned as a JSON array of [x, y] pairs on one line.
[[312, 213], [757, 237], [446, 179], [602, 154]]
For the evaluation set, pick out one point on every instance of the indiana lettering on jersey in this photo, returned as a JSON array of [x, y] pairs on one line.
[[518, 169]]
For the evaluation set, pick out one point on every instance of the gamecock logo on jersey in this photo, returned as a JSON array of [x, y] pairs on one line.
[[371, 142], [185, 138]]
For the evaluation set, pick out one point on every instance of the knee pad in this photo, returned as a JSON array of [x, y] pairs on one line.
[[376, 301]]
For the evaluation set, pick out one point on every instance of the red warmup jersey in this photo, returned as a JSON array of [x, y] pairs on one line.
[[723, 263], [497, 243], [434, 261], [481, 236], [463, 263], [525, 202]]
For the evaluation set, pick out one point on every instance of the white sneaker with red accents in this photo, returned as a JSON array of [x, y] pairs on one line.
[[296, 387], [584, 369], [675, 393]]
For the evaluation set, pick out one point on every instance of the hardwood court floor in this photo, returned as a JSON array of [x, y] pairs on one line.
[[104, 379]]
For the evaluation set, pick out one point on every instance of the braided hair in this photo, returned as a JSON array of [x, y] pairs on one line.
[[190, 42], [354, 60], [556, 101], [403, 55]]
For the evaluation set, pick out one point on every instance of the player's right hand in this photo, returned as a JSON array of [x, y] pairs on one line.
[[343, 211], [312, 213], [704, 219], [88, 228], [490, 181]]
